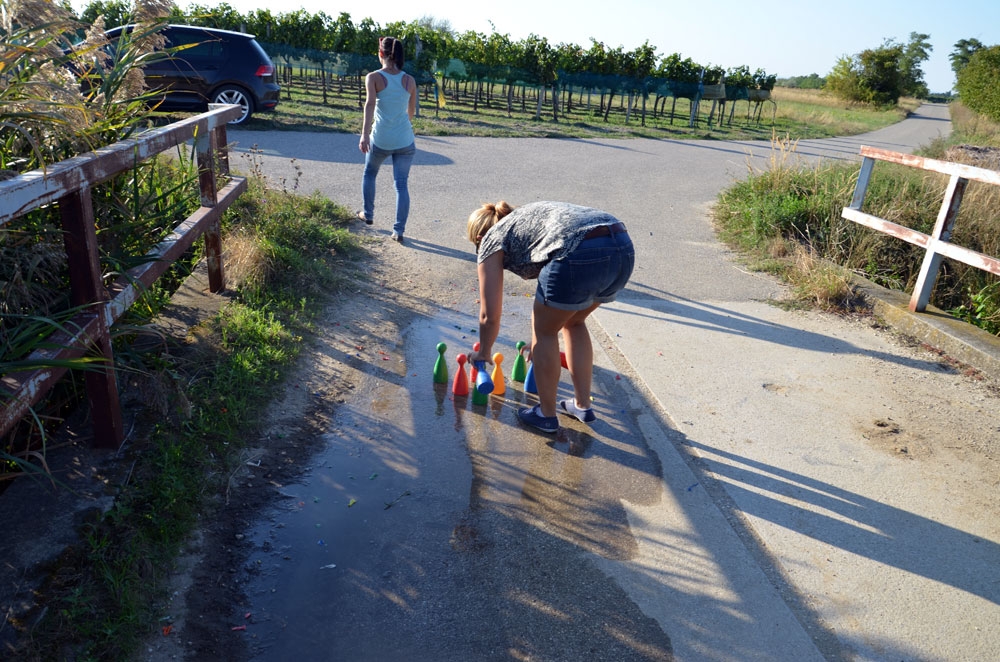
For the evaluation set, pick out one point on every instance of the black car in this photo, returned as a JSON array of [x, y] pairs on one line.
[[211, 66]]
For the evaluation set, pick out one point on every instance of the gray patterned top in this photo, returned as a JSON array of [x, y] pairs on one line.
[[536, 233]]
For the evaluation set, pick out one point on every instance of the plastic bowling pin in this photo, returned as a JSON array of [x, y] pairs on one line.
[[460, 386], [497, 376], [529, 380], [440, 365], [473, 373], [519, 369], [479, 398], [484, 383]]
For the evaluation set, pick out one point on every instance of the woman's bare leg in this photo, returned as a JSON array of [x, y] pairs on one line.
[[580, 355], [546, 322]]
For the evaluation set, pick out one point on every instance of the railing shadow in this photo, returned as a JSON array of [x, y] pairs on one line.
[[852, 522], [714, 318]]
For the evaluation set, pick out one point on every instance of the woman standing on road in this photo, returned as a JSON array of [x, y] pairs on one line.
[[581, 257], [390, 104]]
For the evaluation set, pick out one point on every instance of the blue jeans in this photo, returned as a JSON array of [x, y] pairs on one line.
[[595, 272], [402, 159]]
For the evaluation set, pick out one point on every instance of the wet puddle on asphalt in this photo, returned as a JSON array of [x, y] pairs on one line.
[[415, 489]]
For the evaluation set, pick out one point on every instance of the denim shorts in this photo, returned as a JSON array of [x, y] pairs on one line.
[[593, 273]]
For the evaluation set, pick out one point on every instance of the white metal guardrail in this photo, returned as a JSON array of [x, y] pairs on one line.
[[938, 244]]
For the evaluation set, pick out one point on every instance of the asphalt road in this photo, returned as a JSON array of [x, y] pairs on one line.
[[738, 499]]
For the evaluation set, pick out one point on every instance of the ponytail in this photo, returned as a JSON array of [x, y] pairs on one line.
[[397, 52]]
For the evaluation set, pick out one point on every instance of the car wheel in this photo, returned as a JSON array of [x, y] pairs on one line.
[[238, 96]]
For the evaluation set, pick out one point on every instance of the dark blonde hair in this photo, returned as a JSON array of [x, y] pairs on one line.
[[481, 220], [391, 48]]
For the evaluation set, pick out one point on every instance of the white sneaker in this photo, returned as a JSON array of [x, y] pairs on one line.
[[569, 408]]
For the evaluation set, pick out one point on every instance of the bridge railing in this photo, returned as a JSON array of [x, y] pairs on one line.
[[68, 185], [937, 244]]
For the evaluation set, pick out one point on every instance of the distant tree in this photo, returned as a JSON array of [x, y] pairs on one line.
[[594, 57], [873, 76], [810, 82], [366, 38], [539, 61], [685, 70], [614, 59], [915, 53], [644, 60], [261, 23], [713, 74], [964, 48], [435, 24], [763, 80], [979, 82], [344, 34], [300, 29], [881, 75], [222, 16], [436, 38], [739, 77], [115, 12], [844, 79]]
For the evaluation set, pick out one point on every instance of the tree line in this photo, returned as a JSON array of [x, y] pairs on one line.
[[877, 76], [429, 41]]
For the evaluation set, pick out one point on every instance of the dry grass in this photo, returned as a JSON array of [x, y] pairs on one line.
[[788, 220], [978, 128], [817, 107], [824, 284], [247, 264]]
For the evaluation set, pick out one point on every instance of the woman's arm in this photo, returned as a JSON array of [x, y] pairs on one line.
[[412, 86], [366, 128], [490, 305]]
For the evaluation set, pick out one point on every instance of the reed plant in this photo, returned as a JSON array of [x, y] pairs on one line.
[[62, 94]]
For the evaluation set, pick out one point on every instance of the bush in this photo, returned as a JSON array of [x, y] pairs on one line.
[[979, 83]]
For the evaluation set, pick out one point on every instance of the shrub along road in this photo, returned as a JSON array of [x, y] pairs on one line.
[[762, 483]]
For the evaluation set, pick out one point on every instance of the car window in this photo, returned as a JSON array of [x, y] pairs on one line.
[[196, 45]]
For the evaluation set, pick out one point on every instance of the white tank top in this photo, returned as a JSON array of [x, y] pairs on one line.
[[392, 128]]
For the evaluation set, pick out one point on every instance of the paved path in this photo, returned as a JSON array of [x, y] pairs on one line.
[[763, 484]]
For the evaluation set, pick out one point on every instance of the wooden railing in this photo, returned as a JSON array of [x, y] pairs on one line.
[[68, 184], [938, 244]]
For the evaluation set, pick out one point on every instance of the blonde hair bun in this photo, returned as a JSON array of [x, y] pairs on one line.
[[484, 218]]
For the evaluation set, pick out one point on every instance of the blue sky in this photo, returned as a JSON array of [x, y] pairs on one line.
[[783, 37]]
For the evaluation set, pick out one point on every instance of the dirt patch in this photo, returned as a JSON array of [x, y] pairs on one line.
[[974, 155], [888, 436], [356, 332]]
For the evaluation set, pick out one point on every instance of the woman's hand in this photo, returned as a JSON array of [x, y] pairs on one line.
[[365, 144], [480, 355]]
